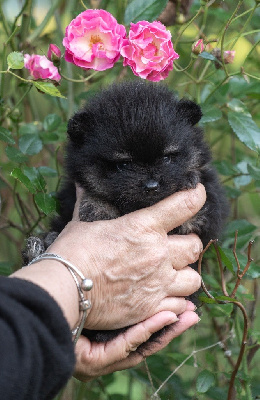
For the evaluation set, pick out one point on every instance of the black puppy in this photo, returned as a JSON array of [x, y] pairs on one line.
[[131, 146]]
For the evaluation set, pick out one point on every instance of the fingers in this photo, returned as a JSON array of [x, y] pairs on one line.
[[97, 359], [176, 305], [185, 282], [178, 208], [186, 321], [184, 249]]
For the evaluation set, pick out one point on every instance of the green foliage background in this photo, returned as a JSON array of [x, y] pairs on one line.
[[32, 136]]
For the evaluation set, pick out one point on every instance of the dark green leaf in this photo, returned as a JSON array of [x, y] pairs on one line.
[[15, 60], [20, 176], [6, 136], [45, 202], [241, 225], [51, 122], [222, 310], [225, 298], [245, 129], [225, 168], [147, 10], [253, 171], [232, 193], [209, 56], [225, 259], [205, 380], [210, 114], [15, 154], [47, 171], [35, 177], [30, 144]]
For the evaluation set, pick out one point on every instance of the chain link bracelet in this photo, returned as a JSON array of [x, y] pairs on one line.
[[85, 286]]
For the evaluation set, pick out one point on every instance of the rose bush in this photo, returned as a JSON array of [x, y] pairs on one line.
[[93, 40], [149, 51], [41, 68]]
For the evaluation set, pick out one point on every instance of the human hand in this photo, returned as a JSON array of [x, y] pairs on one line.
[[97, 359], [137, 269]]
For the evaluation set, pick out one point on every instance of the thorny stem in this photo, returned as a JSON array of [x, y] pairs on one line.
[[241, 353], [183, 362], [224, 33], [223, 282], [231, 390], [249, 260], [186, 26]]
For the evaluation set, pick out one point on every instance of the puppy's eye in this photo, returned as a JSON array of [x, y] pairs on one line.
[[170, 158], [123, 165], [167, 159]]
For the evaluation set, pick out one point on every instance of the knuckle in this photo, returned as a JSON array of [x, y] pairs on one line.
[[190, 202]]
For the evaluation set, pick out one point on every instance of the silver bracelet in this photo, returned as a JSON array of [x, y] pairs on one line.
[[86, 285]]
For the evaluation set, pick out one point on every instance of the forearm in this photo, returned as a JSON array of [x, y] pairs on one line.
[[54, 278]]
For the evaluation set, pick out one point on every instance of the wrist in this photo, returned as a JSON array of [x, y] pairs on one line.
[[55, 279]]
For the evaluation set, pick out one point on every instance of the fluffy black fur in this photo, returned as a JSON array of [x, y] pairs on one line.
[[131, 146]]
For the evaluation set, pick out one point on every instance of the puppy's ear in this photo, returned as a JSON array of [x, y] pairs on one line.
[[189, 111], [78, 126]]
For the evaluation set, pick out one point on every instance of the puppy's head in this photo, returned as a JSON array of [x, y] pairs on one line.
[[135, 143]]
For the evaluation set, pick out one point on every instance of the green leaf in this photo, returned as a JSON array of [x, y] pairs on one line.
[[35, 177], [225, 259], [47, 171], [232, 193], [205, 380], [20, 176], [51, 122], [253, 171], [30, 144], [31, 127], [245, 129], [15, 154], [241, 225], [238, 106], [6, 135], [15, 60], [209, 56], [225, 168], [147, 10], [210, 114], [205, 299], [48, 88], [45, 202]]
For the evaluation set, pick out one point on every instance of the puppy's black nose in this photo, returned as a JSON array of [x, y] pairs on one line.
[[151, 186]]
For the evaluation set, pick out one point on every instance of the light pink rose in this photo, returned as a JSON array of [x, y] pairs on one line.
[[93, 40], [229, 56], [149, 51], [41, 68]]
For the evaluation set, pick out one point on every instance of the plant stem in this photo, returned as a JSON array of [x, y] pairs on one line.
[[244, 26], [79, 80], [186, 26], [37, 32]]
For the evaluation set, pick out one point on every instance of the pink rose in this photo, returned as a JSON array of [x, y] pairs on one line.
[[149, 51], [54, 54], [197, 47], [41, 68], [93, 40]]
